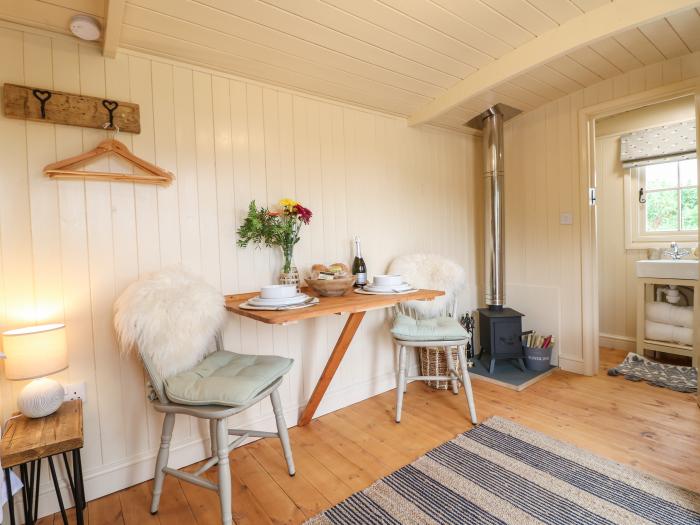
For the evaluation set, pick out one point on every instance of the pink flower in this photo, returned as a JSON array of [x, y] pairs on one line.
[[303, 213]]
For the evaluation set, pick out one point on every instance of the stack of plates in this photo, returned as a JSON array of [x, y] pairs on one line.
[[277, 302], [398, 288]]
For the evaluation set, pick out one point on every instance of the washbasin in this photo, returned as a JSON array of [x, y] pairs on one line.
[[668, 269]]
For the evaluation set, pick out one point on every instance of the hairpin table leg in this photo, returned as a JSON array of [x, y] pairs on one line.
[[54, 478], [79, 488], [26, 498], [36, 488], [70, 477], [10, 499], [80, 477]]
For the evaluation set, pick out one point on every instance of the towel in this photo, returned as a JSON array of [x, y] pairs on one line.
[[670, 333], [667, 313]]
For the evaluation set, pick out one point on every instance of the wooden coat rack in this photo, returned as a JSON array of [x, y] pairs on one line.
[[57, 107]]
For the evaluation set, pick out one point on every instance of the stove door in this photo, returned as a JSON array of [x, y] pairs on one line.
[[506, 338]]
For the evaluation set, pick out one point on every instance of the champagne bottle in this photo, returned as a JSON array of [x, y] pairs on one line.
[[359, 268]]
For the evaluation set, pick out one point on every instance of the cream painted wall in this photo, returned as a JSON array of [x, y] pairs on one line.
[[543, 181], [68, 248]]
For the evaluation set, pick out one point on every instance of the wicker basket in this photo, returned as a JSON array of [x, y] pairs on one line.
[[434, 363]]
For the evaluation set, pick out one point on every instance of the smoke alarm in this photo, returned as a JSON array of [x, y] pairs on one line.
[[85, 27]]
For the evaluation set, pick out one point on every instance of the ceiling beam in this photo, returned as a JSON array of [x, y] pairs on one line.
[[114, 16], [596, 24]]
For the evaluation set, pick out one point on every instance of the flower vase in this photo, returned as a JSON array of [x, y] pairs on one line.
[[289, 273]]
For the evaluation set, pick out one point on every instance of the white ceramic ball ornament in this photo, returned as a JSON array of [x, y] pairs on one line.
[[40, 398]]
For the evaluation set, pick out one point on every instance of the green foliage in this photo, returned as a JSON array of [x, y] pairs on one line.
[[663, 211], [262, 227], [689, 208]]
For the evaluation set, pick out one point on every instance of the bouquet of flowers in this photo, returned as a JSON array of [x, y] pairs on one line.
[[275, 228]]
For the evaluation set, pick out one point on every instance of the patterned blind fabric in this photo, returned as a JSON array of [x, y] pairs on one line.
[[656, 145]]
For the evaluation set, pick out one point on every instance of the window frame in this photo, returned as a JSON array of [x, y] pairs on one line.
[[636, 236]]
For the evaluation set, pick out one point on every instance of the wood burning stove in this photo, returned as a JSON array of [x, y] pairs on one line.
[[499, 335]]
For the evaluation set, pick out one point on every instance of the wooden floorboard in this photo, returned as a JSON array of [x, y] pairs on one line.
[[652, 429]]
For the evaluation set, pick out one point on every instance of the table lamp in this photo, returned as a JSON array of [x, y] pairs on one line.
[[33, 353]]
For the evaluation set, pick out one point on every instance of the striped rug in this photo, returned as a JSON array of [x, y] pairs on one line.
[[503, 473]]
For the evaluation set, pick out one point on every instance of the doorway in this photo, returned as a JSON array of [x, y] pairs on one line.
[[592, 167]]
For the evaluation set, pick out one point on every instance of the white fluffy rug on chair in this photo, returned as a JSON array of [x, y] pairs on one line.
[[434, 272], [171, 316]]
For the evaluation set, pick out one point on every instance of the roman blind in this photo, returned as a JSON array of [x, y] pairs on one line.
[[659, 144]]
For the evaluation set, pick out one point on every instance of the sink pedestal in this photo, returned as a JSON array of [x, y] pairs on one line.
[[645, 292]]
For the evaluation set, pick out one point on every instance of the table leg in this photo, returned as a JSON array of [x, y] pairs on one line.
[[80, 477], [36, 488], [26, 493], [54, 478], [78, 495], [10, 499], [334, 360], [70, 477]]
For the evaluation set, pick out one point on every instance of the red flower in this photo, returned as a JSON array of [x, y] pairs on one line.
[[303, 213], [274, 213]]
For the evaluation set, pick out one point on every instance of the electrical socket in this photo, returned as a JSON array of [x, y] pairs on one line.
[[74, 391]]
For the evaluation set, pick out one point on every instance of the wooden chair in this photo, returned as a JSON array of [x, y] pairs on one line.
[[217, 415], [173, 320], [402, 377], [434, 324]]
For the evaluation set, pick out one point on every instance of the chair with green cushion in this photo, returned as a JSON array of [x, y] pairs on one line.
[[173, 319], [419, 324]]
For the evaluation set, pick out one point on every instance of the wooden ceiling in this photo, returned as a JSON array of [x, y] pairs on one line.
[[392, 55]]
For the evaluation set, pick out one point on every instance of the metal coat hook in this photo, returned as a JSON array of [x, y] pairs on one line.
[[114, 129], [110, 105], [642, 199], [42, 95]]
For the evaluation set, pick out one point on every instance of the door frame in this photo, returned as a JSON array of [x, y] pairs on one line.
[[587, 116]]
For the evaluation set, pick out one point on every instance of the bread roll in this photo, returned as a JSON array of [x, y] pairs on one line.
[[339, 267]]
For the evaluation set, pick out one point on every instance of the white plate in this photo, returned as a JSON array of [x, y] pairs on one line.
[[365, 292], [399, 287], [248, 306], [259, 301]]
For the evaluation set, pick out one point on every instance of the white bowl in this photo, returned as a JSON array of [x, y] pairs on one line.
[[278, 291], [387, 280]]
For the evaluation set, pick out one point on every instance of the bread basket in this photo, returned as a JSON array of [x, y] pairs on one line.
[[331, 287]]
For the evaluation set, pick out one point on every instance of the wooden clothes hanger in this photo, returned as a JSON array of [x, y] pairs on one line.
[[65, 169]]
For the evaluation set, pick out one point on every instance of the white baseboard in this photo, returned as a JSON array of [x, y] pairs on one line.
[[139, 468], [571, 365], [618, 342]]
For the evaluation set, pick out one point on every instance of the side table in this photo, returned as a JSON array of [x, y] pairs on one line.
[[27, 441]]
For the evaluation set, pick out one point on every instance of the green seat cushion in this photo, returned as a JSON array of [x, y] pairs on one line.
[[226, 378], [436, 329]]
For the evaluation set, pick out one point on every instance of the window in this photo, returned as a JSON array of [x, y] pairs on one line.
[[663, 204]]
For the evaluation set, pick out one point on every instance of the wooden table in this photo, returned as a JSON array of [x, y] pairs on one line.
[[27, 441], [353, 303]]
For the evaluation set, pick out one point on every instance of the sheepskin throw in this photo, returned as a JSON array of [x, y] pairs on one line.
[[171, 317], [434, 272]]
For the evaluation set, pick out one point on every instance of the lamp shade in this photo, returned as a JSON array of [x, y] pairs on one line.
[[35, 351]]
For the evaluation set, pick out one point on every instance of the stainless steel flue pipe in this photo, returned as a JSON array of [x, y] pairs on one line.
[[491, 124], [494, 213]]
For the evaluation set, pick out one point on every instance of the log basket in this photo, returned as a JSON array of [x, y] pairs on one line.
[[434, 363]]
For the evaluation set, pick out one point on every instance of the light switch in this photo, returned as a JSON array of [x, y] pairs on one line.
[[566, 218]]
